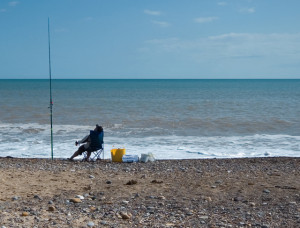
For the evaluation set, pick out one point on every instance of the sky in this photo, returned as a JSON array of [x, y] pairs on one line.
[[150, 39]]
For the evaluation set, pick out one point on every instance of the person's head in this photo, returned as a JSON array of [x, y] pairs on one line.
[[98, 128]]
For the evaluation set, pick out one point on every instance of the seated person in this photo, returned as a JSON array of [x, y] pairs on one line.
[[86, 146]]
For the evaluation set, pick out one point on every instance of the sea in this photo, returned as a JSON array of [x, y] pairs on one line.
[[172, 119]]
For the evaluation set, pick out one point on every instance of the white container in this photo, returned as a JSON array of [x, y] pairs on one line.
[[151, 157], [130, 158], [144, 158], [147, 157]]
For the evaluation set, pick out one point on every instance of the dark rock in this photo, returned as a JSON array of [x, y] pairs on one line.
[[131, 182], [37, 197], [157, 182]]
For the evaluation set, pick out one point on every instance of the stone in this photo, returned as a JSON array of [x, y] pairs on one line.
[[37, 197], [87, 188], [75, 200], [150, 208], [79, 197], [85, 210], [252, 204], [93, 208], [15, 198], [50, 202], [25, 213], [157, 182], [161, 204], [189, 213], [108, 182], [266, 191], [131, 182], [103, 222], [51, 208], [238, 198], [90, 224], [125, 202], [125, 215], [161, 198], [91, 177]]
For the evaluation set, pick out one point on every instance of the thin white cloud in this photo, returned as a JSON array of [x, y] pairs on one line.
[[165, 45], [205, 19], [229, 36], [163, 41], [152, 13], [13, 3], [222, 3], [247, 10], [2, 10], [231, 55], [232, 45], [163, 24]]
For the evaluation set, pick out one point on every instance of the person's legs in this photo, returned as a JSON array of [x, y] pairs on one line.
[[80, 150], [88, 154]]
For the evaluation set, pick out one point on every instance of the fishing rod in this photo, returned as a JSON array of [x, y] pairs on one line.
[[50, 80]]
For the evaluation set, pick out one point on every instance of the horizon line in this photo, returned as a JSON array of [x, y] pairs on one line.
[[151, 78]]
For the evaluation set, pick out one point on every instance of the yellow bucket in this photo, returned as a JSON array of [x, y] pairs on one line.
[[117, 154]]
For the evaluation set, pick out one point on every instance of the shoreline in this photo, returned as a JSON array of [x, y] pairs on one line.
[[79, 158], [219, 192]]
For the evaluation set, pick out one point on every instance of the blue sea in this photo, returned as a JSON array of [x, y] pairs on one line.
[[173, 119]]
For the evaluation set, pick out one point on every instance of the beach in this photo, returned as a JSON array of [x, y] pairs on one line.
[[242, 192]]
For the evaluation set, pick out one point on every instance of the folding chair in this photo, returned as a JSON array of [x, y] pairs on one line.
[[96, 147]]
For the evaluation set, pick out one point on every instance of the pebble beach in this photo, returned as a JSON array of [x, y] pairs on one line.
[[243, 192]]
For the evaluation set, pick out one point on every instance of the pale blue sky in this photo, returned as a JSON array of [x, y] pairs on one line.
[[150, 38]]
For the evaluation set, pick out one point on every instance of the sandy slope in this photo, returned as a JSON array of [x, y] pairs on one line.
[[259, 192]]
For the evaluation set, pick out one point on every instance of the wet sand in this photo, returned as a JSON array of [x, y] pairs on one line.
[[248, 192]]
